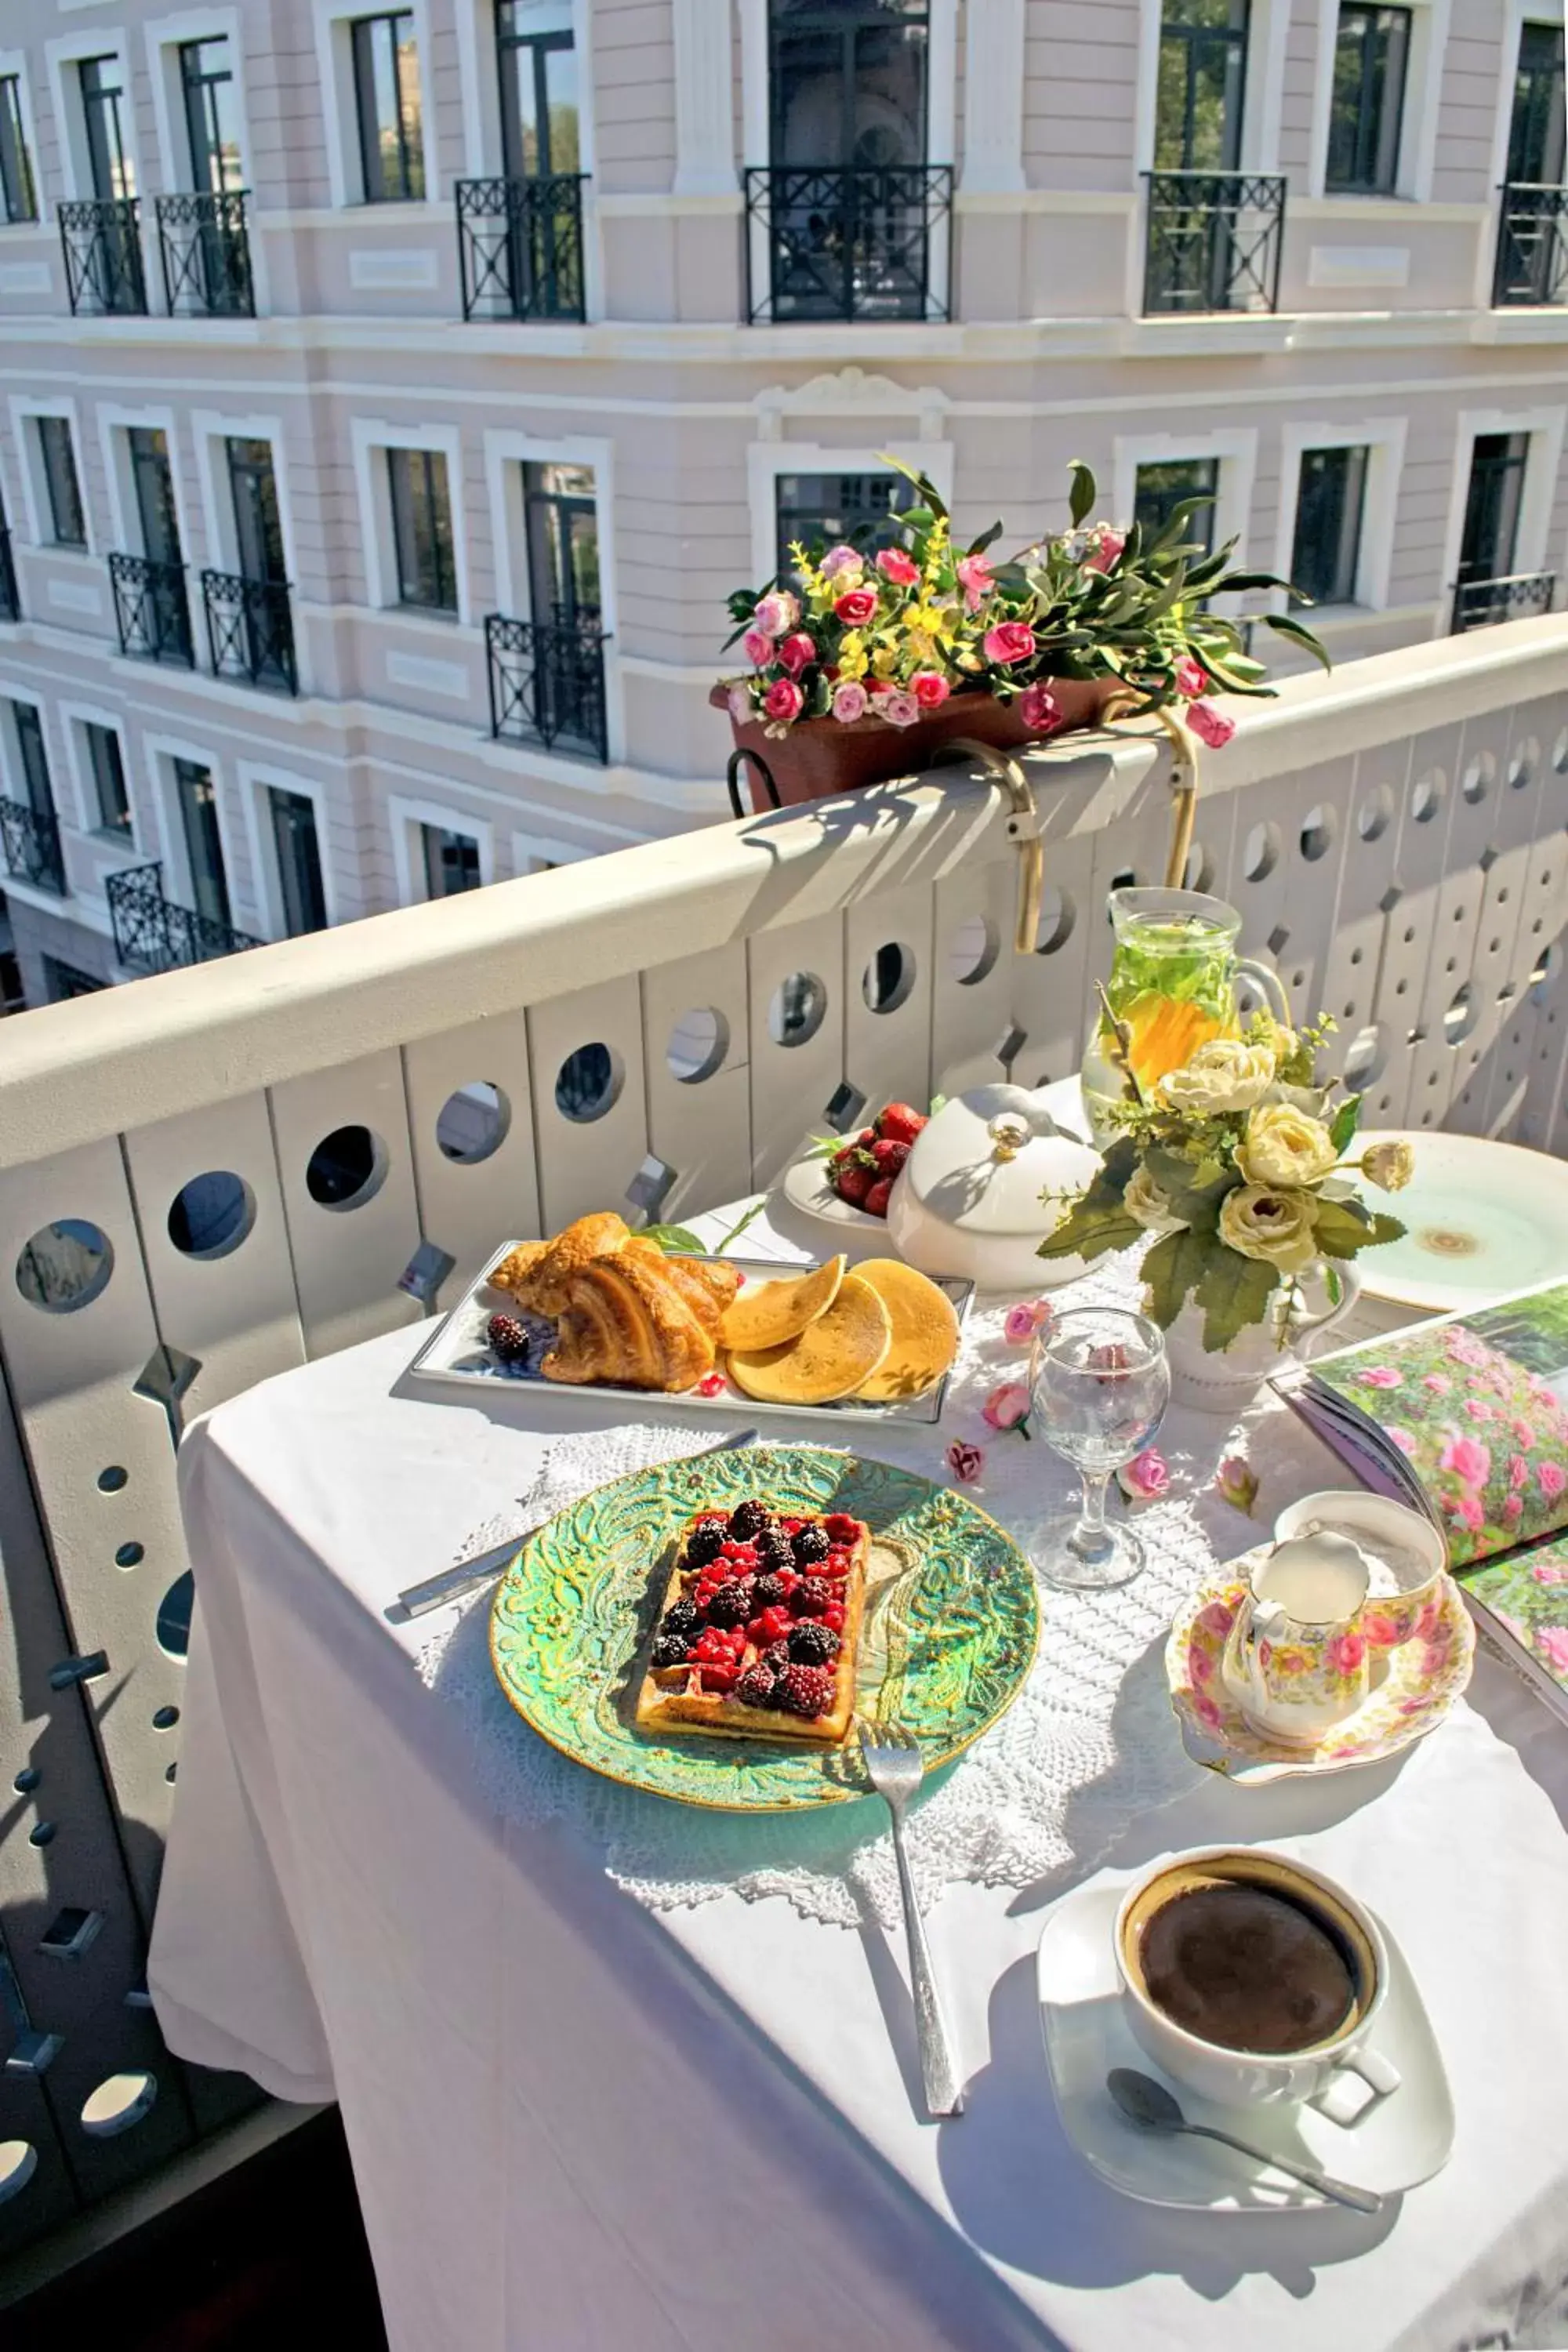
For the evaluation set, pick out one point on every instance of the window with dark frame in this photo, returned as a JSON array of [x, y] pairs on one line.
[[563, 522], [212, 116], [68, 521], [848, 81], [1372, 54], [27, 721], [106, 763], [18, 188], [451, 862], [298, 853], [422, 530], [109, 158], [1202, 85], [822, 509], [1537, 126], [1326, 554], [538, 113], [388, 108], [1161, 487], [197, 797], [1493, 501]]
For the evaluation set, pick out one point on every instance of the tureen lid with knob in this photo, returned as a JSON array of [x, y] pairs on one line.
[[969, 1201]]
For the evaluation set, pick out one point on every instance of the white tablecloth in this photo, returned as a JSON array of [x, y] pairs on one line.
[[579, 2125]]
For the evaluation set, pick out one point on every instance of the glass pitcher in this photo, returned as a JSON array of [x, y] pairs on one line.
[[1172, 983]]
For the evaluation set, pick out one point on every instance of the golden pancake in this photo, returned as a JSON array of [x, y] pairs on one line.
[[925, 1331], [829, 1359], [769, 1314]]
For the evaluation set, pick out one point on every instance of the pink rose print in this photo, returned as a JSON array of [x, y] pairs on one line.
[[1345, 1652], [966, 1461], [1430, 1616], [1039, 709], [1403, 1439], [1467, 1509], [1464, 1348], [783, 700], [1553, 1478], [1411, 1707], [1266, 1654], [1547, 1574], [1381, 1376], [1200, 1664], [1145, 1478], [1008, 642], [1382, 1633], [1006, 1407], [1190, 676], [1468, 1459], [1024, 1321], [975, 579], [1439, 1382], [895, 565], [1523, 1434], [1435, 1658], [1292, 1662], [1551, 1641], [1216, 1619], [1477, 1409], [1513, 1509], [1209, 725], [1518, 1472], [758, 648], [1207, 1712]]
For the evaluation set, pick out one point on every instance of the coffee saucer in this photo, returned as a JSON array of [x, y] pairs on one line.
[[1418, 1684], [1393, 2144]]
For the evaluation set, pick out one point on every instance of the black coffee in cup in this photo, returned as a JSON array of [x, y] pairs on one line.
[[1249, 1957]]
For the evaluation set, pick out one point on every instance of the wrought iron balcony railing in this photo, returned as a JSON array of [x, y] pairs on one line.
[[519, 246], [847, 241], [1532, 268], [1214, 240], [30, 838], [250, 629], [547, 683], [152, 934], [10, 601], [204, 246], [1478, 603], [150, 609], [102, 238]]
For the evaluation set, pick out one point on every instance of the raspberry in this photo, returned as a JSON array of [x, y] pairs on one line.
[[715, 1646], [812, 1596], [508, 1339], [812, 1543], [834, 1619], [748, 1519], [806, 1690], [719, 1678], [755, 1687], [900, 1123], [890, 1157], [670, 1650], [837, 1565], [813, 1646], [772, 1625], [876, 1201], [680, 1618], [792, 1527], [841, 1528], [731, 1604], [704, 1543], [853, 1179]]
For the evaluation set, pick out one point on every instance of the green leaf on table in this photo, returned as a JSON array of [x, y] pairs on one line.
[[1173, 1268], [1234, 1293], [1347, 1118], [747, 1217]]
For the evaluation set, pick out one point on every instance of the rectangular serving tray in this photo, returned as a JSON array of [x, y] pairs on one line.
[[456, 1354]]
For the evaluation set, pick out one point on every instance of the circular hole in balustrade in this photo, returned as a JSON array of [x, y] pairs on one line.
[[1375, 814], [1364, 1060], [698, 1045], [1198, 874], [1481, 774], [473, 1122], [1524, 762], [346, 1169], [887, 980], [1318, 834], [169, 1772], [130, 1554], [118, 2102], [1545, 974], [19, 2162], [166, 1717], [588, 1083], [1058, 916], [212, 1214], [1427, 797], [173, 1624], [797, 1009], [110, 1481], [1260, 853], [974, 951], [1462, 1015], [65, 1265]]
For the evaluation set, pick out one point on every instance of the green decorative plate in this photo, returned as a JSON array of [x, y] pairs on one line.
[[951, 1625]]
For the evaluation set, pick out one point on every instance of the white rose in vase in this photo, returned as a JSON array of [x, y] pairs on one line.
[[1226, 1075], [1283, 1147], [1273, 1226]]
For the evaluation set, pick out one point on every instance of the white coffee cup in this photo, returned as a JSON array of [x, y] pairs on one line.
[[1237, 2078]]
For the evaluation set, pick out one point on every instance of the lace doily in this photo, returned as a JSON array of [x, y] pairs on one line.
[[1090, 1743]]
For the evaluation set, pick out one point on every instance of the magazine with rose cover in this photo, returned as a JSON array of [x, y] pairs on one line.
[[1466, 1419]]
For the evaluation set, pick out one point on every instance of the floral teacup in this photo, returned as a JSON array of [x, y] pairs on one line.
[[1407, 1559], [1297, 1657]]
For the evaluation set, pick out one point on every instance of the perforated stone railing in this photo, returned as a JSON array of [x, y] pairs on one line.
[[208, 1177]]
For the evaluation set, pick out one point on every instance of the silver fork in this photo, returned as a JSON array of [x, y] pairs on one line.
[[894, 1767]]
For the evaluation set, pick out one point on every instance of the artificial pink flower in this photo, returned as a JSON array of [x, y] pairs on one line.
[[976, 579], [1238, 1482], [1439, 1382], [1403, 1439], [1345, 1652], [930, 689], [739, 706], [777, 614], [1006, 1407], [1008, 642], [1518, 1472], [1550, 1573], [1209, 725], [1109, 545], [842, 559], [898, 708], [1023, 1321], [966, 1461], [1553, 1480], [855, 606], [783, 700], [1470, 1461], [1191, 678], [1382, 1376], [1551, 1641], [758, 648], [1039, 709], [850, 702], [1523, 1434], [795, 652], [895, 565], [1145, 1478]]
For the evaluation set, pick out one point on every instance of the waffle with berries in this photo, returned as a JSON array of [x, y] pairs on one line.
[[757, 1636]]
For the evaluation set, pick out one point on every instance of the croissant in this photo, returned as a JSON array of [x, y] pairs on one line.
[[627, 1324], [707, 1285], [538, 1272]]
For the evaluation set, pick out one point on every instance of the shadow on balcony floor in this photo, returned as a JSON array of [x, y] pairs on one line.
[[271, 2254]]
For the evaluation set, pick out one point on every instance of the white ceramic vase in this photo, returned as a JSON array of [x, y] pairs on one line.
[[1226, 1379]]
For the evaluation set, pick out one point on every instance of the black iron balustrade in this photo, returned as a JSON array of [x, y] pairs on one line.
[[150, 609], [250, 629], [152, 934], [10, 599], [547, 683], [101, 239], [1532, 267], [30, 839], [205, 246], [519, 246], [1214, 241], [1478, 603], [847, 241]]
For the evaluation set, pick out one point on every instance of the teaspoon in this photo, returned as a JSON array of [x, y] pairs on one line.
[[1148, 2103]]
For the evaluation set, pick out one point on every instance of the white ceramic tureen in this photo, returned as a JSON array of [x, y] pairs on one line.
[[968, 1200]]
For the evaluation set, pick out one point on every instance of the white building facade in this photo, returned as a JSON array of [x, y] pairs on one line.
[[389, 398]]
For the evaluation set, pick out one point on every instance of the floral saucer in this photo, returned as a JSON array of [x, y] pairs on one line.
[[1419, 1685]]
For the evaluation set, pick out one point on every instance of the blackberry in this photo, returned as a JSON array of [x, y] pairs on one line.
[[813, 1646], [731, 1604], [812, 1596], [810, 1543], [756, 1686], [705, 1542], [508, 1339], [771, 1591], [806, 1690], [778, 1658], [670, 1650], [775, 1550], [681, 1617], [748, 1519]]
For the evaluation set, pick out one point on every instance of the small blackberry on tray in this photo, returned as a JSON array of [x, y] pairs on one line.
[[812, 1645], [806, 1690], [775, 1550], [670, 1650], [771, 1591], [731, 1604], [681, 1617], [705, 1542], [777, 1657], [810, 1544], [508, 1339], [748, 1519], [756, 1686]]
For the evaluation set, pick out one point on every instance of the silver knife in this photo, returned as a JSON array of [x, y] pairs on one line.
[[468, 1574]]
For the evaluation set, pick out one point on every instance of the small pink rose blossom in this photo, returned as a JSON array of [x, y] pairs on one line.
[[1382, 1376], [758, 648], [783, 700], [1024, 1321], [1523, 1434], [1467, 1509], [1382, 1632], [1008, 642], [975, 579], [850, 702], [1430, 1616], [1207, 1711], [1216, 1618], [1109, 545], [1345, 1652], [1006, 1407], [1551, 1641], [930, 689], [795, 652], [776, 614], [1513, 1509], [895, 565], [1039, 709], [1238, 1482], [1145, 1477], [1191, 678], [1550, 1573], [898, 708], [1478, 1409], [1200, 1664], [1553, 1479], [855, 606], [966, 1461], [1439, 1382], [741, 710], [1518, 1472], [1403, 1439], [1468, 1459], [1209, 725], [1266, 1654], [840, 560]]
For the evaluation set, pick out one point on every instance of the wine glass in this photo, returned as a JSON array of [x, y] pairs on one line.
[[1100, 1385]]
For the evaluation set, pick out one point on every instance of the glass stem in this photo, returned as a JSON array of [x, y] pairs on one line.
[[1092, 1534]]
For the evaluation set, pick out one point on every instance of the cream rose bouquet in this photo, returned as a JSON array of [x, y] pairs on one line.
[[1237, 1172]]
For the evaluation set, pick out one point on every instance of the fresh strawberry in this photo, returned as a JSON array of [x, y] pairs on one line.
[[889, 1157], [866, 1138], [855, 1178], [900, 1123], [876, 1201]]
